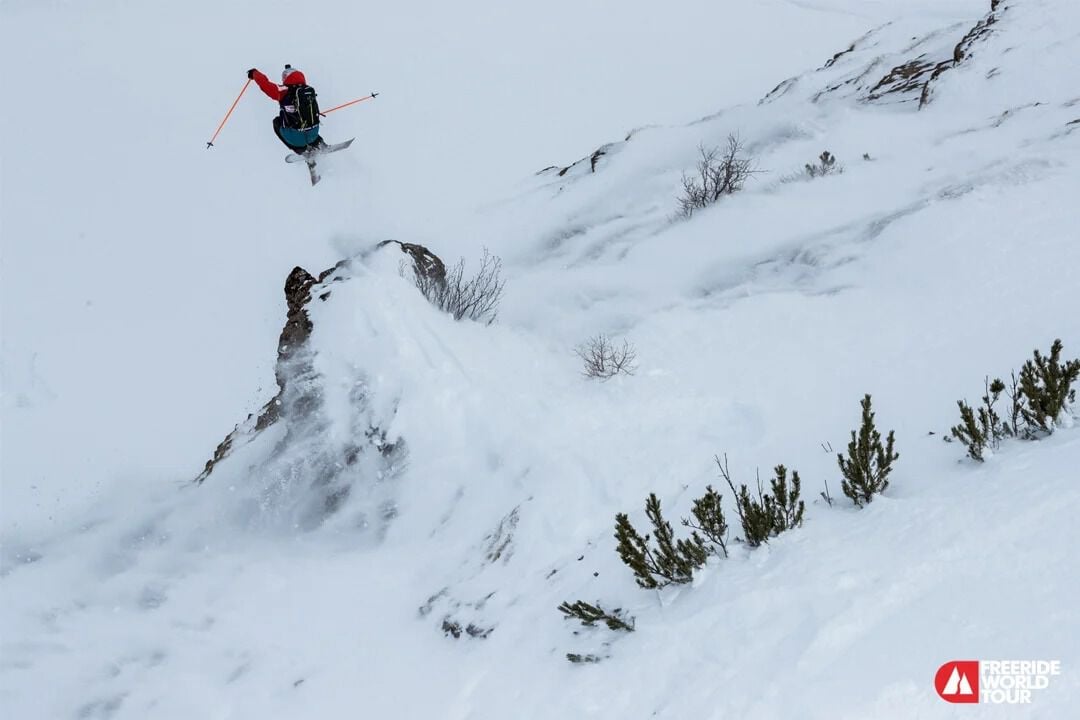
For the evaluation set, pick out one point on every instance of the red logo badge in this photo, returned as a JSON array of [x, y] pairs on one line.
[[957, 681]]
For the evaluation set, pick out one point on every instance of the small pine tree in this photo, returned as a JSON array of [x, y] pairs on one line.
[[589, 615], [673, 561], [787, 506], [708, 518], [984, 429], [675, 558], [1047, 387], [756, 516], [634, 551], [767, 515], [826, 165], [969, 433], [868, 464]]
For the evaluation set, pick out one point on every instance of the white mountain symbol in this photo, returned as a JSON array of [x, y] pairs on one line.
[[958, 684]]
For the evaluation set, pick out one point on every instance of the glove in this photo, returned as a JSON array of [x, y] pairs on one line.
[[251, 72]]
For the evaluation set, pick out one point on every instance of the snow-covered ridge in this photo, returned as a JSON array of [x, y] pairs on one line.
[[489, 471]]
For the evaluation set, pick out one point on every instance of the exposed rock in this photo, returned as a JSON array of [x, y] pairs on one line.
[[592, 160], [294, 335], [595, 157], [837, 56], [427, 264], [903, 78], [919, 74], [781, 89], [500, 541], [963, 48], [297, 387], [244, 432], [787, 85]]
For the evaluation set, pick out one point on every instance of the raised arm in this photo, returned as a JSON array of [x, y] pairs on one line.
[[274, 92]]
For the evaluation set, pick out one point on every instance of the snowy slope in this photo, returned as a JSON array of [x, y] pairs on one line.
[[115, 228], [759, 324]]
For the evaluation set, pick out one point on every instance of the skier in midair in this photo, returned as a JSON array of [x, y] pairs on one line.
[[297, 125]]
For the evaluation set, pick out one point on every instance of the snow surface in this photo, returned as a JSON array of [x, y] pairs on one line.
[[141, 307]]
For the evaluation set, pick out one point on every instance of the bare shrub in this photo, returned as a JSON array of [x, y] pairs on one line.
[[826, 165], [720, 171], [604, 360], [473, 298]]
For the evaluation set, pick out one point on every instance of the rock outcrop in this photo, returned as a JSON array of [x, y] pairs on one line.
[[297, 400], [919, 74]]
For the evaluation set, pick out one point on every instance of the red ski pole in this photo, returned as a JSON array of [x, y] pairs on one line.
[[211, 143], [372, 96]]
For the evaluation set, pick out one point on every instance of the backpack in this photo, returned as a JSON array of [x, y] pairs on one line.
[[299, 108]]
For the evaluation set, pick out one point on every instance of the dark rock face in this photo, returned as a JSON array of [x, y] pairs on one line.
[[963, 48], [293, 336], [298, 400], [298, 325], [426, 263], [242, 433], [592, 160], [903, 78], [919, 74]]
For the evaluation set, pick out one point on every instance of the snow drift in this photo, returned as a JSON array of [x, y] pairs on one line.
[[392, 532]]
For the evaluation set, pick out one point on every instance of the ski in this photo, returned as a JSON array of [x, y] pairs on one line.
[[313, 171], [303, 157]]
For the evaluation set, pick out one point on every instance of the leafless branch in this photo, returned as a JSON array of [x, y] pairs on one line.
[[605, 360], [474, 298], [720, 171]]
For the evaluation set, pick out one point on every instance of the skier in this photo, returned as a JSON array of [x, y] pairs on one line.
[[297, 125]]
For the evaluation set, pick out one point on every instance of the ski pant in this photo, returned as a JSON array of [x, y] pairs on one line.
[[296, 140]]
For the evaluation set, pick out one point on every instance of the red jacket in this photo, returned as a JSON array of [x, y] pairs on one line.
[[274, 91]]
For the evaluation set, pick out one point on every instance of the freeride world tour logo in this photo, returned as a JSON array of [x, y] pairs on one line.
[[999, 682]]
